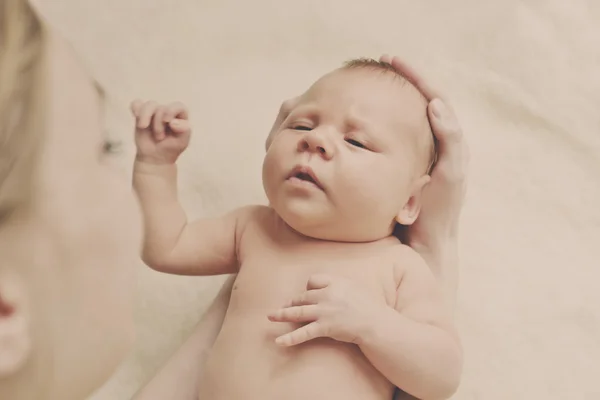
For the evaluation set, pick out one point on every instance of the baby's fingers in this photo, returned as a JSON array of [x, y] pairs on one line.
[[145, 114], [135, 107], [175, 110], [180, 126], [295, 314], [158, 126], [304, 334], [308, 297]]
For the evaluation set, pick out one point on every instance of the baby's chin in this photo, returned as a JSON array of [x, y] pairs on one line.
[[325, 227], [306, 221]]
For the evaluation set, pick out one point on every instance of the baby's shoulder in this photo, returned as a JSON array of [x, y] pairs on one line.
[[252, 212], [251, 216], [404, 260], [256, 221], [257, 214], [400, 253]]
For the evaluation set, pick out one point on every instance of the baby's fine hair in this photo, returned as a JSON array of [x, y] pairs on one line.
[[375, 65]]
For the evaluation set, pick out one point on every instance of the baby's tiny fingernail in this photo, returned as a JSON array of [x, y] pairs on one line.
[[438, 108], [280, 341]]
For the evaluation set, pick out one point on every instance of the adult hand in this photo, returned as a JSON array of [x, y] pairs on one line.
[[444, 196], [284, 111], [434, 235]]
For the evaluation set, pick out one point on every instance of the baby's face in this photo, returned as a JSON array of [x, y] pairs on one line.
[[348, 162]]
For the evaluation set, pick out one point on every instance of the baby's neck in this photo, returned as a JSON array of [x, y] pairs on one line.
[[288, 236]]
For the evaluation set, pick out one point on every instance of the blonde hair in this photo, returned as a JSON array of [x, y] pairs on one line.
[[22, 45]]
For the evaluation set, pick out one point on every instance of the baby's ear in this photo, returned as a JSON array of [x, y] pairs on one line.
[[15, 327], [410, 211]]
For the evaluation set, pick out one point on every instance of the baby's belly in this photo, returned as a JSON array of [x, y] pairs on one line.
[[245, 363]]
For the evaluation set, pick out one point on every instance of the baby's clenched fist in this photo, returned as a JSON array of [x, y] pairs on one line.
[[162, 132]]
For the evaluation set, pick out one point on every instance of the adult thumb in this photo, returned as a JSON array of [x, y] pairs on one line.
[[452, 157], [445, 126]]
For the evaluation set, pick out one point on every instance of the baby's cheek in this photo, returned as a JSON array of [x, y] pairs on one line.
[[272, 166], [372, 191], [363, 182]]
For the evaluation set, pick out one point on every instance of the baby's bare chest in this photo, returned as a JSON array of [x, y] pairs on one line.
[[271, 275]]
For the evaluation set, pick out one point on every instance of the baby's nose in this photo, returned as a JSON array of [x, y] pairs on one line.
[[316, 143]]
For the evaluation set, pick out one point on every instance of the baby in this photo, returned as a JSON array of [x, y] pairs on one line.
[[328, 304]]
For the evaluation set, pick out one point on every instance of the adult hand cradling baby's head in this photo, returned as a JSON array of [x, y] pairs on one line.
[[444, 196]]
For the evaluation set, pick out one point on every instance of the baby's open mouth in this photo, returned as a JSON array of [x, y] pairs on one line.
[[305, 177], [305, 174]]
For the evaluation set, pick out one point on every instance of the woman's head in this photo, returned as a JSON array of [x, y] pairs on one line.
[[70, 230]]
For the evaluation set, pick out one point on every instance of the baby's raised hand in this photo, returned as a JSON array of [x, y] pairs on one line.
[[331, 306], [162, 132]]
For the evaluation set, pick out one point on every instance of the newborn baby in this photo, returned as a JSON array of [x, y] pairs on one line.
[[328, 303]]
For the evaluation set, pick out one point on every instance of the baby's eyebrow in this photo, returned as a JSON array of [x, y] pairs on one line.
[[355, 122], [303, 110], [367, 127]]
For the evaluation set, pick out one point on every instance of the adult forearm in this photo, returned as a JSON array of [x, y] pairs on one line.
[[421, 359], [178, 378], [164, 218], [443, 260]]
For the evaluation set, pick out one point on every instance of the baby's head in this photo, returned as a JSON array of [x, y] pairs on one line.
[[352, 158]]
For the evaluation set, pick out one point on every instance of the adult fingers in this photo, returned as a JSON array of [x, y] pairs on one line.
[[453, 152], [412, 76], [284, 111]]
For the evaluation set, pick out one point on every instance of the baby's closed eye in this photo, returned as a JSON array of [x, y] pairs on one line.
[[356, 143], [301, 128]]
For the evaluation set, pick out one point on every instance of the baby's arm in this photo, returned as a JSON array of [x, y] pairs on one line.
[[171, 244], [415, 346], [204, 247]]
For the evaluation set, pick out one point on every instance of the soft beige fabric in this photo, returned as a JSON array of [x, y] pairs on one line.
[[525, 79]]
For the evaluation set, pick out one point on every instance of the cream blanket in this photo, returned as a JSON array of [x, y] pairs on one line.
[[524, 77]]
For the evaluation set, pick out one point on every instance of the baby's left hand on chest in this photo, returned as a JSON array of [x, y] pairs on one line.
[[331, 306]]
